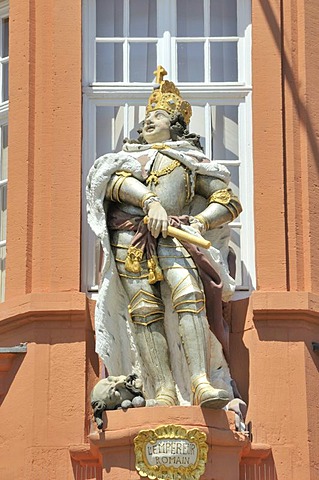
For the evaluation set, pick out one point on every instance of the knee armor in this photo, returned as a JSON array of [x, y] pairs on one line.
[[146, 308], [187, 296]]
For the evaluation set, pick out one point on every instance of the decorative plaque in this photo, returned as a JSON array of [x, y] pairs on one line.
[[171, 452]]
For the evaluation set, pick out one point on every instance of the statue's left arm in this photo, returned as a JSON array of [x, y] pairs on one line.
[[222, 205]]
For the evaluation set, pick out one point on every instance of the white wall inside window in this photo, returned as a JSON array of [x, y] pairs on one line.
[[206, 48]]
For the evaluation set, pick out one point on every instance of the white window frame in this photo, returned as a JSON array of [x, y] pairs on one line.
[[97, 94], [4, 116]]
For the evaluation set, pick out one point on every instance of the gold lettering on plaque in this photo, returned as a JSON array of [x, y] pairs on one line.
[[171, 452]]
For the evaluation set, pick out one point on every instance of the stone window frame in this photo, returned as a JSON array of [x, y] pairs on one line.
[[205, 95]]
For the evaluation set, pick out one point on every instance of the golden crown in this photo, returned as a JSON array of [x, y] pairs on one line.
[[166, 96]]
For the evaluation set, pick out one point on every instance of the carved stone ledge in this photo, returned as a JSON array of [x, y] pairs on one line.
[[255, 453], [83, 455], [272, 306], [114, 447], [111, 452], [85, 465]]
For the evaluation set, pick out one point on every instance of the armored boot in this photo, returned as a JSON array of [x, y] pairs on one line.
[[205, 395], [195, 341]]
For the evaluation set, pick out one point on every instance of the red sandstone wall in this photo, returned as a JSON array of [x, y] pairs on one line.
[[45, 147], [273, 334]]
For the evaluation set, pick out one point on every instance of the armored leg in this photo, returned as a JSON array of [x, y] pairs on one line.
[[152, 345], [194, 336], [188, 301], [147, 313]]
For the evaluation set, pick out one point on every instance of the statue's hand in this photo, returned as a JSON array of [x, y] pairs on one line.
[[157, 220], [197, 225]]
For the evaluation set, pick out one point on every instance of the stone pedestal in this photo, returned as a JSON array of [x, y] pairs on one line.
[[114, 447]]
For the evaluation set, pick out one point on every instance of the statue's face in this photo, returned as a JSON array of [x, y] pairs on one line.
[[156, 127]]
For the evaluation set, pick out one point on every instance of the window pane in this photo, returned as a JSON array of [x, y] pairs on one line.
[[223, 18], [142, 61], [4, 153], [197, 123], [136, 117], [5, 37], [225, 132], [109, 62], [109, 18], [190, 18], [234, 183], [190, 62], [5, 81], [235, 245], [109, 129], [224, 62], [142, 18]]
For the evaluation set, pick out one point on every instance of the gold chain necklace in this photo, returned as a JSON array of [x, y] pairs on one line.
[[153, 177]]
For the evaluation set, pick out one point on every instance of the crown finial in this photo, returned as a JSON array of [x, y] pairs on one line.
[[166, 96], [160, 73]]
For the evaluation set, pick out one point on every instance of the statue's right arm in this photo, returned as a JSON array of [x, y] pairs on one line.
[[124, 188]]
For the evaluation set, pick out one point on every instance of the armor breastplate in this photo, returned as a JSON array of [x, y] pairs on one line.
[[170, 181]]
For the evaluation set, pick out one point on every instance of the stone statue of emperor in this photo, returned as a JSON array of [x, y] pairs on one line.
[[159, 309]]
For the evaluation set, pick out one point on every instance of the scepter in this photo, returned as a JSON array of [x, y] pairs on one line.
[[185, 236]]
